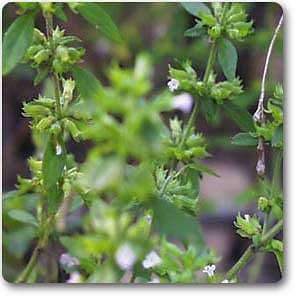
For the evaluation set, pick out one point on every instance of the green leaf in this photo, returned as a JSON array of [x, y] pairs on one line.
[[279, 258], [240, 116], [171, 221], [42, 73], [22, 216], [194, 8], [16, 41], [277, 139], [52, 166], [202, 168], [227, 57], [87, 84], [96, 16], [195, 31], [244, 139], [59, 12]]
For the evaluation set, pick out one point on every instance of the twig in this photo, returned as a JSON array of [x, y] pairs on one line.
[[259, 115]]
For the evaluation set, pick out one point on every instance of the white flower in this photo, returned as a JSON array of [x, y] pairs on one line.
[[183, 102], [210, 270], [227, 281], [74, 278], [125, 257], [173, 84], [247, 217], [152, 259], [58, 149], [154, 280], [68, 261], [149, 219], [260, 167]]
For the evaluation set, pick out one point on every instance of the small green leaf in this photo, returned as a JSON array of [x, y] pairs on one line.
[[279, 258], [41, 75], [96, 16], [227, 57], [195, 31], [277, 139], [194, 8], [244, 139], [59, 12], [87, 84], [23, 216], [52, 166], [16, 41], [198, 166], [170, 220], [240, 116]]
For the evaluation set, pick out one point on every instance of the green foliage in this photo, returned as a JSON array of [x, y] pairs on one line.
[[97, 17], [227, 56], [139, 184], [16, 41]]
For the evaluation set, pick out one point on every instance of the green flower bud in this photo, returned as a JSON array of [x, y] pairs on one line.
[[33, 50], [207, 19], [38, 37], [35, 111], [58, 67], [247, 226], [69, 86], [234, 34], [55, 129], [44, 123], [201, 88], [75, 54], [239, 17], [62, 54], [72, 128], [35, 166], [57, 34], [47, 7], [215, 32], [42, 56], [263, 204]]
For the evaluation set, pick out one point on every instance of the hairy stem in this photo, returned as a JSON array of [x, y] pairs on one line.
[[251, 250]]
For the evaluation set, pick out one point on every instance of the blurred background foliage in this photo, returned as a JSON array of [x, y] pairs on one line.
[[155, 29]]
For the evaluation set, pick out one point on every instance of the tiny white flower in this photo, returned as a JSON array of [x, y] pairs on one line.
[[69, 261], [154, 280], [247, 217], [125, 257], [260, 167], [152, 259], [209, 270], [183, 102], [225, 281], [173, 84], [74, 278], [58, 149], [149, 219]]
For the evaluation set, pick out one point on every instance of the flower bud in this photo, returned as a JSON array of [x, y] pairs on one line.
[[44, 123], [62, 53], [38, 37], [69, 86], [58, 66], [263, 204], [35, 111], [55, 129], [32, 51], [72, 128], [215, 32], [41, 56]]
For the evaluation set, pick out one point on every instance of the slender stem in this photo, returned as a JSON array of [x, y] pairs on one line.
[[30, 266], [251, 250]]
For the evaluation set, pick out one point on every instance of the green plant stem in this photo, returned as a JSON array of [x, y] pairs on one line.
[[259, 259], [30, 266], [251, 250]]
